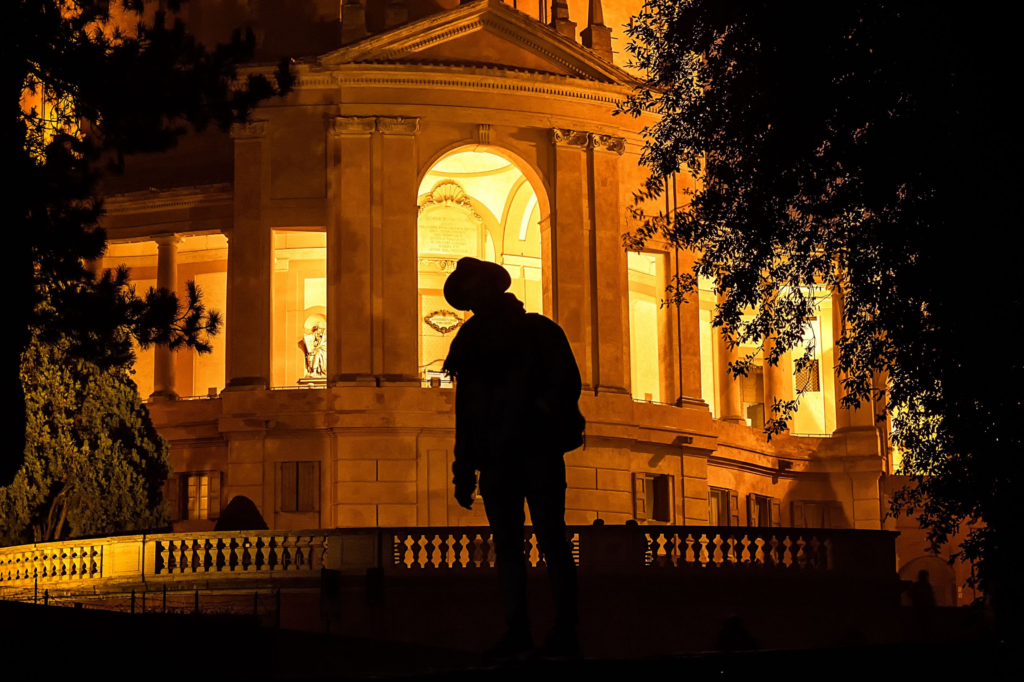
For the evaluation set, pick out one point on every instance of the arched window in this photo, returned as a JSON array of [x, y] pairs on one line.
[[478, 204]]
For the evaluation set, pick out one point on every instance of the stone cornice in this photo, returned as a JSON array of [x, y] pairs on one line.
[[249, 131], [398, 125], [170, 199], [563, 137], [403, 42], [353, 125]]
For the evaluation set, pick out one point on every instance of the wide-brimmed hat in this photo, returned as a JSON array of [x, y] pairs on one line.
[[474, 280]]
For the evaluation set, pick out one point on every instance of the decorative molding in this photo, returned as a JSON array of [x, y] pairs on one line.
[[447, 192], [167, 239], [353, 125], [563, 137], [176, 198], [249, 131], [483, 134], [608, 143], [398, 125], [444, 321]]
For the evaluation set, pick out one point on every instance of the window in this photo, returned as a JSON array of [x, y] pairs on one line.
[[652, 497], [723, 507], [813, 514], [648, 323], [194, 496], [763, 511], [808, 379], [299, 485]]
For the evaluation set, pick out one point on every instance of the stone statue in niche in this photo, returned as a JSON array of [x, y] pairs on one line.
[[314, 347]]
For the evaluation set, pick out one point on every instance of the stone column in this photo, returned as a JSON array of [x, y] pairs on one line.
[[349, 242], [164, 360], [399, 250], [569, 243], [610, 279], [689, 338], [249, 262], [730, 399], [775, 380], [860, 418]]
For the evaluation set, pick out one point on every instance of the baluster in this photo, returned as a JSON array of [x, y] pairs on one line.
[[408, 554], [689, 556], [422, 554], [464, 555], [431, 556], [788, 555], [705, 556], [449, 551], [799, 556], [477, 551], [826, 548], [811, 553], [234, 559], [532, 551]]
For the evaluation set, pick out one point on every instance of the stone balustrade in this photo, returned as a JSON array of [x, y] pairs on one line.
[[111, 563]]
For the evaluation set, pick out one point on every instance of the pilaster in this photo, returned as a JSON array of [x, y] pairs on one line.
[[569, 245], [609, 278], [399, 249], [349, 244], [249, 262]]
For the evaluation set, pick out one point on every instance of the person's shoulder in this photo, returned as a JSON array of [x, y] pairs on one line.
[[543, 325]]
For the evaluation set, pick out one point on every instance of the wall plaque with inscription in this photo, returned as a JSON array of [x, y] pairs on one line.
[[448, 225]]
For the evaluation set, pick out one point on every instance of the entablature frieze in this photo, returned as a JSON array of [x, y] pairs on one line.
[[252, 130], [365, 125], [581, 139]]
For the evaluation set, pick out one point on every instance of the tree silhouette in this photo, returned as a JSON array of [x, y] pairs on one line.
[[864, 147], [86, 82]]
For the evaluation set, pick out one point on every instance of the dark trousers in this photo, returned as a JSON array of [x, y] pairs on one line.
[[540, 482]]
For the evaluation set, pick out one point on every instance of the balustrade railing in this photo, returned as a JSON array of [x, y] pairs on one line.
[[88, 565]]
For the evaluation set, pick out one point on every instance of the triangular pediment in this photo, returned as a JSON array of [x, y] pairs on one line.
[[481, 33]]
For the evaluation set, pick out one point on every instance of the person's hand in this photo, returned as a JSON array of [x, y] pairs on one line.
[[465, 490]]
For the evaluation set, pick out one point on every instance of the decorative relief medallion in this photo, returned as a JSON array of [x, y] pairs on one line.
[[608, 143], [444, 321], [250, 130], [398, 125], [353, 125], [570, 138]]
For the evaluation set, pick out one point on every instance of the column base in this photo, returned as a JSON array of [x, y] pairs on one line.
[[734, 419], [246, 384], [352, 380], [162, 396]]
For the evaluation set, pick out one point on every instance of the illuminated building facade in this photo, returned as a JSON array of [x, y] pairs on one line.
[[421, 131]]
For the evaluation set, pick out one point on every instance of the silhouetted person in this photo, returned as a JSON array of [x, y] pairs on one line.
[[922, 601], [516, 415], [241, 514]]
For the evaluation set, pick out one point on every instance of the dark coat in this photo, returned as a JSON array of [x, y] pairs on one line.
[[517, 388]]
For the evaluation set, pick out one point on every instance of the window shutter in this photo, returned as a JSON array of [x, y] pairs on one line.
[[776, 512], [751, 510], [734, 508], [213, 501], [711, 503], [308, 486], [798, 514], [289, 484], [171, 494], [640, 497], [662, 498]]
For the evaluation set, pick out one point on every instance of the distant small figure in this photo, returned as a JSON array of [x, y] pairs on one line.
[[241, 514], [516, 415], [922, 603], [735, 636], [632, 522], [598, 522]]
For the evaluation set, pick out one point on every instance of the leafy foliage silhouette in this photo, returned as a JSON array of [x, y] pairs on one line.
[[865, 148], [85, 83]]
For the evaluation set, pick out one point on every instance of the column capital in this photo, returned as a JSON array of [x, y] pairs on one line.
[[353, 125], [249, 131], [167, 239], [564, 137], [608, 143], [398, 125]]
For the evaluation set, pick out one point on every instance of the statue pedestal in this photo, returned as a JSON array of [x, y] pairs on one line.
[[313, 382]]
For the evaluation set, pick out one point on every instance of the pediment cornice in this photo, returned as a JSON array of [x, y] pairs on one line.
[[401, 44]]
